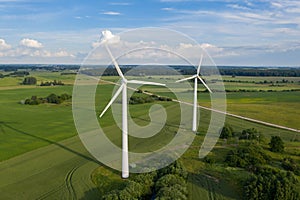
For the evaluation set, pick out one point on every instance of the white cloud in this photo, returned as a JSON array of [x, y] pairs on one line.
[[111, 13], [62, 53], [4, 45], [276, 5], [108, 37], [31, 43], [167, 9], [237, 6]]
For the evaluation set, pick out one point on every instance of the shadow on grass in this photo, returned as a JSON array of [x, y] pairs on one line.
[[215, 187], [91, 194], [49, 142]]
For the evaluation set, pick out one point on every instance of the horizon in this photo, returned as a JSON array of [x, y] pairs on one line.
[[134, 65]]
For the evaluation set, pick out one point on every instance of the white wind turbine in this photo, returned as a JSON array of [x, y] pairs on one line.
[[196, 77], [123, 89]]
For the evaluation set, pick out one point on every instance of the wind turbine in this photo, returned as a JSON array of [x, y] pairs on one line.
[[123, 89], [196, 77]]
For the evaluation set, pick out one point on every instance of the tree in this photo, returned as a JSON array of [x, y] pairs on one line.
[[250, 134], [174, 192], [268, 183], [248, 157], [276, 144], [291, 165], [29, 81], [226, 132], [171, 186], [53, 98]]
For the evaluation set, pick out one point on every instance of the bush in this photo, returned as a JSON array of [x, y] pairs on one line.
[[52, 83], [291, 165], [175, 168], [226, 132], [133, 190], [248, 157], [170, 193], [52, 98], [276, 144], [29, 81], [171, 187], [250, 134], [271, 184], [113, 195]]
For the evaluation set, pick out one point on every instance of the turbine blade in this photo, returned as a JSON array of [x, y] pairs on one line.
[[204, 84], [145, 82], [200, 63], [113, 99], [185, 79], [115, 63]]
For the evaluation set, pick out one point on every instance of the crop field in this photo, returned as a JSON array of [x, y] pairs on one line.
[[41, 155]]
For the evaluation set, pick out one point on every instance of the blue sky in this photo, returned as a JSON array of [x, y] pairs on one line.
[[242, 32]]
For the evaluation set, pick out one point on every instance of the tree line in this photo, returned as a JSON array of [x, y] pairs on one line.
[[165, 184], [15, 74], [146, 98], [52, 98]]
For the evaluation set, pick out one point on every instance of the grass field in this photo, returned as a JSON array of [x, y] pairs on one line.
[[41, 155]]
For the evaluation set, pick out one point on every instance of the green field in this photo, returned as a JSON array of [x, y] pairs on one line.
[[42, 157]]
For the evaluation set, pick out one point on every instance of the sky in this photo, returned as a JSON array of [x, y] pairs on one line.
[[237, 32]]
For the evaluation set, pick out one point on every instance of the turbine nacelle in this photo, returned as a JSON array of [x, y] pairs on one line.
[[196, 76]]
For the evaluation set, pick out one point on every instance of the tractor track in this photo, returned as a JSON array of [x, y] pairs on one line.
[[69, 185]]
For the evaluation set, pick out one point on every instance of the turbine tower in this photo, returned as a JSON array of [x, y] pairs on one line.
[[123, 89], [196, 77]]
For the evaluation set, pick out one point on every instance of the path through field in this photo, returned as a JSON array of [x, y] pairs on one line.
[[218, 111], [58, 171]]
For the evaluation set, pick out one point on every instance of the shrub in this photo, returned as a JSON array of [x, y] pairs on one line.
[[291, 165], [248, 157], [29, 81], [250, 134], [226, 132], [271, 184], [276, 144]]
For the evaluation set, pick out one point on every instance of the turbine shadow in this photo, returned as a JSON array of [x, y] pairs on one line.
[[50, 142]]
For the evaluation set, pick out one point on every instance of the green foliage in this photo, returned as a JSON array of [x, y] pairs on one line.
[[276, 144], [173, 192], [169, 183], [52, 83], [250, 134], [248, 157], [52, 98], [146, 98], [133, 190], [18, 74], [113, 195], [1, 75], [175, 168], [147, 182], [171, 187], [271, 184], [226, 132], [291, 165], [29, 81], [209, 159]]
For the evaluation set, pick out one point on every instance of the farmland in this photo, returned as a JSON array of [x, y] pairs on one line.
[[41, 155]]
